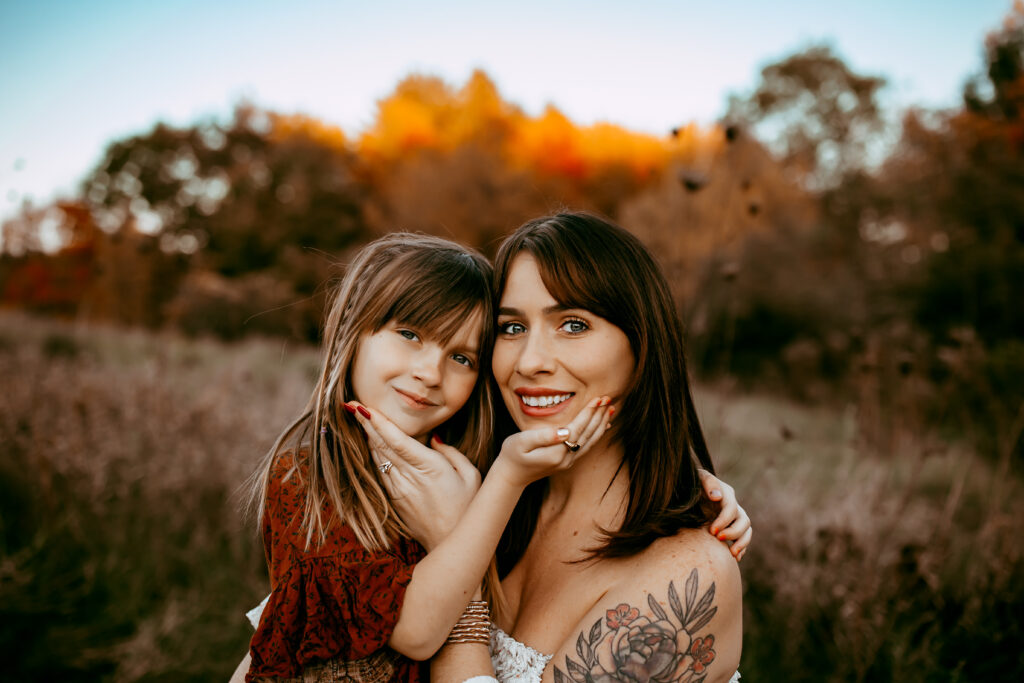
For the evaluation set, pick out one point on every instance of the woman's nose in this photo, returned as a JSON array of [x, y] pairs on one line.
[[536, 356]]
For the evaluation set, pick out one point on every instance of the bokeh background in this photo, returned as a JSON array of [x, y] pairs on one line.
[[846, 245]]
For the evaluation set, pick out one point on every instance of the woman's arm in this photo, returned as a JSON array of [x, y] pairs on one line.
[[443, 582], [677, 618]]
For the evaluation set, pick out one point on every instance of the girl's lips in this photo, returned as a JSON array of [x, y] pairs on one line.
[[414, 401]]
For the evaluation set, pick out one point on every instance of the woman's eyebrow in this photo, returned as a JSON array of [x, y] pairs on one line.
[[556, 308]]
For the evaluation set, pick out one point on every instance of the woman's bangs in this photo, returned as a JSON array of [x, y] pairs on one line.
[[573, 282]]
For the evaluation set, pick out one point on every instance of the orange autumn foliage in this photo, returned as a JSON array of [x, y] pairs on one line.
[[425, 114]]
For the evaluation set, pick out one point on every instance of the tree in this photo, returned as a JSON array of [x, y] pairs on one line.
[[816, 114]]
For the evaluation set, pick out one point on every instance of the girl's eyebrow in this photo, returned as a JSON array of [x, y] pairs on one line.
[[557, 308]]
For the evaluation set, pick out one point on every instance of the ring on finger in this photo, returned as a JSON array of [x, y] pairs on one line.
[[385, 466], [571, 445]]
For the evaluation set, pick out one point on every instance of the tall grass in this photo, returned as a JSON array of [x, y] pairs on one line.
[[124, 555]]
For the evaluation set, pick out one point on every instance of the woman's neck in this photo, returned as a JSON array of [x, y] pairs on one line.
[[595, 487]]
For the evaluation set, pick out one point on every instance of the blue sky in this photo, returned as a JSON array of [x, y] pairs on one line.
[[75, 75]]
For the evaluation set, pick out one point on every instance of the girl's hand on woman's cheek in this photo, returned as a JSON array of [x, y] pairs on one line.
[[537, 453], [732, 524], [428, 487]]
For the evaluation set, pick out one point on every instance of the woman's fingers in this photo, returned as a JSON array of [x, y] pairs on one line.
[[596, 425], [385, 445]]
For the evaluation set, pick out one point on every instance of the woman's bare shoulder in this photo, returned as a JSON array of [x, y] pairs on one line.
[[673, 614]]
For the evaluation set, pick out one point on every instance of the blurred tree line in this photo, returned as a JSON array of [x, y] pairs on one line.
[[812, 247]]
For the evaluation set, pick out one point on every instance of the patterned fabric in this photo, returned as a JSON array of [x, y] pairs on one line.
[[332, 607]]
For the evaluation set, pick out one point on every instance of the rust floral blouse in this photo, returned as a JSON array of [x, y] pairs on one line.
[[335, 601]]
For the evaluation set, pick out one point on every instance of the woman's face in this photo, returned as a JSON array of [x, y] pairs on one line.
[[415, 381], [550, 361]]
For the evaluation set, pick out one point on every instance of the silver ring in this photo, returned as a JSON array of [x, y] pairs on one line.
[[385, 467], [572, 446]]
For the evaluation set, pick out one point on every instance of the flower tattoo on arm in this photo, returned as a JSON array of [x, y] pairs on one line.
[[648, 648]]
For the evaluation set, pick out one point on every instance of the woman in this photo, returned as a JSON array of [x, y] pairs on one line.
[[607, 570]]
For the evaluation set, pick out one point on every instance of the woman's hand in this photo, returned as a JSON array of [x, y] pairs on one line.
[[537, 453], [429, 487], [732, 523]]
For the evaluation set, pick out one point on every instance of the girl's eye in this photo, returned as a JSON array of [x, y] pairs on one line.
[[409, 334], [511, 328], [463, 359], [574, 326]]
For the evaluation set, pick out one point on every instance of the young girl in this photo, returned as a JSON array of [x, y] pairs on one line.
[[355, 593]]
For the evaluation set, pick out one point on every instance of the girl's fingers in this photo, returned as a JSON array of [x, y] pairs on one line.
[[740, 545], [735, 530], [711, 484], [459, 462], [727, 516]]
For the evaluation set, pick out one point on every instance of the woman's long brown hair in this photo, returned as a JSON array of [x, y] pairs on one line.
[[589, 263]]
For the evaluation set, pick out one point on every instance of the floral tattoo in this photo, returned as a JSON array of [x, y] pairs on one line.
[[654, 648]]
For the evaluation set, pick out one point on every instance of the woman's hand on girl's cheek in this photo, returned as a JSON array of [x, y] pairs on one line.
[[428, 487], [732, 523], [537, 453]]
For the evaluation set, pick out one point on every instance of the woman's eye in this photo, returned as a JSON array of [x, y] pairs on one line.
[[409, 334], [512, 328], [574, 326]]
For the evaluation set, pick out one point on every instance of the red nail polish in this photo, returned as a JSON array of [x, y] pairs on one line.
[[611, 411], [714, 531], [721, 536], [363, 411], [350, 408], [436, 439]]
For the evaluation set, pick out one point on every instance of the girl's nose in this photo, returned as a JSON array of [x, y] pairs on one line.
[[427, 366]]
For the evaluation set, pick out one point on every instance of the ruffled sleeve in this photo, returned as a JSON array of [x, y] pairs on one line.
[[335, 600]]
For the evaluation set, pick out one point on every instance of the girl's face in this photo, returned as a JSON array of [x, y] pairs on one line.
[[550, 361], [416, 382]]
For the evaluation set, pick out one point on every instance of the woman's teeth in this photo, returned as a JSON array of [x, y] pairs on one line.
[[545, 401]]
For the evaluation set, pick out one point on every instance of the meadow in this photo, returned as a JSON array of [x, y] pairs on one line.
[[125, 553]]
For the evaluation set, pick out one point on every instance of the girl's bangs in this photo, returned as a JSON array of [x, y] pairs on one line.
[[440, 307]]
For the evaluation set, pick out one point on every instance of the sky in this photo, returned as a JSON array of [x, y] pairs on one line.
[[76, 75]]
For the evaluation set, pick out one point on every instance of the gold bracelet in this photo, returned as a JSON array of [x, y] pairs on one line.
[[474, 626]]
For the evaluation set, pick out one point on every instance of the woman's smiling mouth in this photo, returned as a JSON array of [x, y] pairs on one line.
[[541, 402]]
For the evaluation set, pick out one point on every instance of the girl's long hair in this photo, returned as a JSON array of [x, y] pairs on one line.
[[432, 285], [589, 263]]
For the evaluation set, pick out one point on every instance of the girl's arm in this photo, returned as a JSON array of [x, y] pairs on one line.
[[457, 662], [445, 580]]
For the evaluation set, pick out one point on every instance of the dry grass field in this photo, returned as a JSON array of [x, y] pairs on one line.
[[124, 554]]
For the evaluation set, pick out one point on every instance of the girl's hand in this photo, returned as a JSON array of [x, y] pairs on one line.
[[429, 487], [537, 453], [732, 523]]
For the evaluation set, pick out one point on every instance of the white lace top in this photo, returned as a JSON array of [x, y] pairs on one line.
[[515, 662]]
